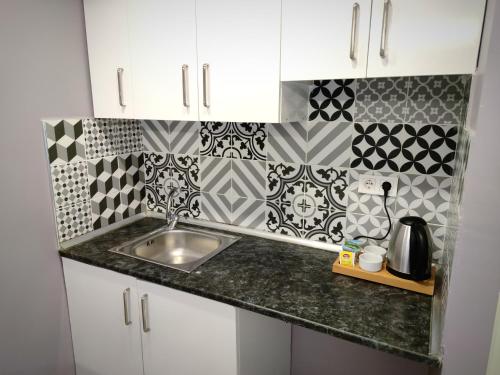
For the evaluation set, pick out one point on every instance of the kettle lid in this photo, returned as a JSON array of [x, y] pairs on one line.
[[412, 220]]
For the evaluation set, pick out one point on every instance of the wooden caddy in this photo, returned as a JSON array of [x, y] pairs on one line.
[[385, 277]]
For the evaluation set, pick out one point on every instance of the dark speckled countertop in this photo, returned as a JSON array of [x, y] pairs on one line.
[[290, 282]]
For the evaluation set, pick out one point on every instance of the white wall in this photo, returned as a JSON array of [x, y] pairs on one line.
[[43, 72], [475, 277]]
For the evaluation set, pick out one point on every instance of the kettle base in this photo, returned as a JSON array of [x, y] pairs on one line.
[[407, 276]]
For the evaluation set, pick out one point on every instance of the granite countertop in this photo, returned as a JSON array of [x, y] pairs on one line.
[[290, 282]]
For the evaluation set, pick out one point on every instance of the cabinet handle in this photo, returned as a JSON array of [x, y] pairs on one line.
[[206, 101], [185, 85], [126, 306], [145, 313], [383, 37], [121, 98], [354, 30]]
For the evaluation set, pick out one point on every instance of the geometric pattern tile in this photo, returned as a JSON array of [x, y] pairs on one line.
[[133, 185], [424, 196], [381, 100], [216, 175], [65, 141], [73, 221], [436, 100], [332, 101], [215, 207], [429, 149], [329, 144], [105, 183], [287, 142], [69, 183], [249, 178], [249, 213], [98, 138], [376, 147], [127, 136], [368, 225], [184, 137], [155, 135]]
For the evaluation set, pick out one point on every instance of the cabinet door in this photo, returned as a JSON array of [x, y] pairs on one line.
[[240, 42], [108, 50], [424, 37], [323, 39], [162, 42], [106, 339], [186, 334]]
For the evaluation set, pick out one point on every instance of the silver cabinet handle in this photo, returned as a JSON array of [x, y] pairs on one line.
[[121, 98], [185, 85], [206, 100], [126, 306], [354, 31], [145, 313], [383, 36]]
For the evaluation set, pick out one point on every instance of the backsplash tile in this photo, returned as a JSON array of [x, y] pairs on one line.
[[287, 142], [97, 173], [329, 143], [155, 135], [332, 100]]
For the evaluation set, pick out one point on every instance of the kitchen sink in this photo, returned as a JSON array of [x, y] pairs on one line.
[[181, 248]]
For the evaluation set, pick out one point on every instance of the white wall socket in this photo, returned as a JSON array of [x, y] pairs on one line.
[[370, 184]]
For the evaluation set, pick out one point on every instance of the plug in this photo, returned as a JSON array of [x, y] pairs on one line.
[[386, 186]]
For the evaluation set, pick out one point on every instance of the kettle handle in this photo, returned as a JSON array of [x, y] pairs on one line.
[[419, 252]]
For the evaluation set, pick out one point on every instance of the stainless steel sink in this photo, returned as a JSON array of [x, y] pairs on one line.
[[181, 248]]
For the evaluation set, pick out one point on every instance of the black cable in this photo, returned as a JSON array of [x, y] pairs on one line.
[[386, 194]]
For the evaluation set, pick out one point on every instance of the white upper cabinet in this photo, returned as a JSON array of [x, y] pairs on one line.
[[108, 50], [324, 39], [162, 37], [239, 60], [424, 37]]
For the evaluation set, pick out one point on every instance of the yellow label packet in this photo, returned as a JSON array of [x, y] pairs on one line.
[[347, 258]]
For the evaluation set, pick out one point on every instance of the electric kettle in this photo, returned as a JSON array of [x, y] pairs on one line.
[[410, 249]]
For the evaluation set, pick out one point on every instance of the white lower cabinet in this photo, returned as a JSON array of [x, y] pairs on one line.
[[121, 325]]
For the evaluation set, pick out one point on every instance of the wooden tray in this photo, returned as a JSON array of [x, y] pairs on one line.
[[385, 277]]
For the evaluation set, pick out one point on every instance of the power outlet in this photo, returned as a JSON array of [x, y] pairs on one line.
[[370, 184]]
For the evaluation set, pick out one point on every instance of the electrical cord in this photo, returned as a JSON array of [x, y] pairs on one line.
[[386, 186]]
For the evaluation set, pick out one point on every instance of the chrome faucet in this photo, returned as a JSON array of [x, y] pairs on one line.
[[170, 216]]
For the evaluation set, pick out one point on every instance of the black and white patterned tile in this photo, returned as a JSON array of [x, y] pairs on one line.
[[282, 218], [155, 135], [65, 141], [179, 171], [184, 137], [368, 225], [215, 207], [324, 225], [438, 237], [133, 183], [424, 196], [249, 213], [332, 101], [376, 147], [249, 178], [99, 138], [216, 176], [368, 204], [287, 142], [329, 144], [186, 203], [156, 198], [73, 221], [429, 149], [381, 100], [69, 183], [285, 182], [243, 140], [127, 136], [105, 183], [326, 187], [436, 99]]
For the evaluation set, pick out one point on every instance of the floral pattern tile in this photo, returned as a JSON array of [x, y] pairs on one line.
[[324, 225], [281, 218], [327, 187], [285, 182]]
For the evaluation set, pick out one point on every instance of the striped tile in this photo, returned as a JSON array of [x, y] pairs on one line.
[[287, 142], [215, 175], [155, 135], [329, 144], [215, 207], [184, 137], [250, 213], [249, 178]]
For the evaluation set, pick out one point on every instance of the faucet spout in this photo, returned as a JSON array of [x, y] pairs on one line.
[[170, 215]]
